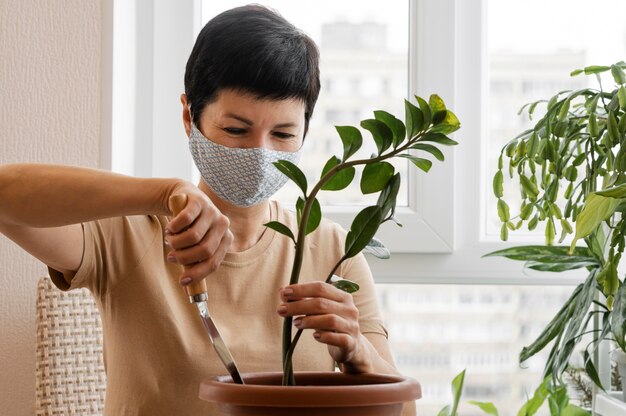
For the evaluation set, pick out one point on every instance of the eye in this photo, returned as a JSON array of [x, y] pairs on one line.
[[234, 131], [282, 135]]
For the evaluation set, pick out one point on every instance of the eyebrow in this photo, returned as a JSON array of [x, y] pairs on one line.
[[250, 123]]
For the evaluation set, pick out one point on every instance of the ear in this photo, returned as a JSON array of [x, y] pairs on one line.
[[186, 114]]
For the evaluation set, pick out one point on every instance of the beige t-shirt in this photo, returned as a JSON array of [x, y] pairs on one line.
[[156, 350]]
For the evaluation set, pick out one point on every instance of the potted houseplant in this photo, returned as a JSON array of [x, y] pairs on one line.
[[571, 169], [426, 127]]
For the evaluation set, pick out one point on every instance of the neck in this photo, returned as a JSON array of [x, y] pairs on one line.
[[246, 223]]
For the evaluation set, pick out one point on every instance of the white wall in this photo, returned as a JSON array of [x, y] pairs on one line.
[[49, 113]]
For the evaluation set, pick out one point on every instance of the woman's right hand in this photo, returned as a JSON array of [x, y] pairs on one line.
[[198, 236]]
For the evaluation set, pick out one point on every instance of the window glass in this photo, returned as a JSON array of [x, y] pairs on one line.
[[364, 67], [532, 47], [436, 331]]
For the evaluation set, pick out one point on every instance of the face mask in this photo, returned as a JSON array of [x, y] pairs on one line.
[[243, 177]]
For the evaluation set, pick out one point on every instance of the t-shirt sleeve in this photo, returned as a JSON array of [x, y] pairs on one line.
[[365, 299], [113, 247]]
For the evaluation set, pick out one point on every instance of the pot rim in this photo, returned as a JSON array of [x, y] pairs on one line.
[[382, 389]]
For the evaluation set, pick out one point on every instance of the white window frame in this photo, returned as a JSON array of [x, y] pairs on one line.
[[443, 237]]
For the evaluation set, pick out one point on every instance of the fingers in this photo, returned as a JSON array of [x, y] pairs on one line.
[[199, 237], [314, 289]]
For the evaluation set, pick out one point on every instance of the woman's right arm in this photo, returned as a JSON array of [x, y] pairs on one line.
[[42, 206]]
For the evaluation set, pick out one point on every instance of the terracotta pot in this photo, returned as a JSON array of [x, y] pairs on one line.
[[316, 393]]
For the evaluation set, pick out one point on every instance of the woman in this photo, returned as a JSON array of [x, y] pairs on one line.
[[251, 84]]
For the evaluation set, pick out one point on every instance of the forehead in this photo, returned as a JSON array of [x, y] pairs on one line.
[[245, 103]]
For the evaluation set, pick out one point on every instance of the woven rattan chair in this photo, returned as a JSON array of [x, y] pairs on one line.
[[70, 367]]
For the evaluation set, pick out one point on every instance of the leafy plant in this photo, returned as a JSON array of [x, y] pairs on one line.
[[426, 128], [571, 168], [556, 396]]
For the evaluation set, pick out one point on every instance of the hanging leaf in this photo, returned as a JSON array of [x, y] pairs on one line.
[[351, 139], [590, 369], [621, 96], [341, 179], [503, 210], [362, 230], [457, 390], [498, 187], [596, 69], [376, 176], [292, 172], [281, 228], [382, 135]]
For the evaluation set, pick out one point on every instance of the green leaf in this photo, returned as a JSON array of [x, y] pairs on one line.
[[503, 210], [596, 69], [487, 407], [346, 285], [292, 172], [281, 228], [341, 179], [396, 126], [315, 215], [426, 113], [596, 209], [423, 164], [376, 176], [529, 187], [437, 108], [449, 124], [573, 410], [351, 139], [414, 119], [383, 136], [554, 327], [532, 405], [607, 277], [362, 230], [387, 198], [457, 390], [549, 255], [445, 411], [430, 149], [621, 96], [437, 138], [618, 317], [590, 369], [592, 126], [613, 128], [614, 192], [618, 75], [498, 187], [377, 249], [576, 72]]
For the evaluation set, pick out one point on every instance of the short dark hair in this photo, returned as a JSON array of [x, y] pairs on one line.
[[255, 50]]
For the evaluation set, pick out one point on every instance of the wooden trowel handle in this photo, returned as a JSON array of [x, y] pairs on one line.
[[177, 204]]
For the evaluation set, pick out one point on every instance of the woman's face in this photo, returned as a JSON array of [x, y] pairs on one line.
[[237, 119]]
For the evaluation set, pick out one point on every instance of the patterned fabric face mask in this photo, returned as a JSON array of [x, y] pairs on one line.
[[243, 177]]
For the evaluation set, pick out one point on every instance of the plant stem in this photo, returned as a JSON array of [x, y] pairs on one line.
[[288, 345]]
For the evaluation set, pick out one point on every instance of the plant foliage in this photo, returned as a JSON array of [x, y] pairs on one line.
[[421, 135]]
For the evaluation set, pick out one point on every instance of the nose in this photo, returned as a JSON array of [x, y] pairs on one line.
[[259, 139]]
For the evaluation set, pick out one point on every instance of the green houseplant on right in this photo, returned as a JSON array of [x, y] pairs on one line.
[[571, 171]]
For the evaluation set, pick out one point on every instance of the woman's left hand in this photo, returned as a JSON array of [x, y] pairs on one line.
[[331, 313]]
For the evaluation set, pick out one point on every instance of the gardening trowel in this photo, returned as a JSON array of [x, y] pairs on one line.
[[198, 295]]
